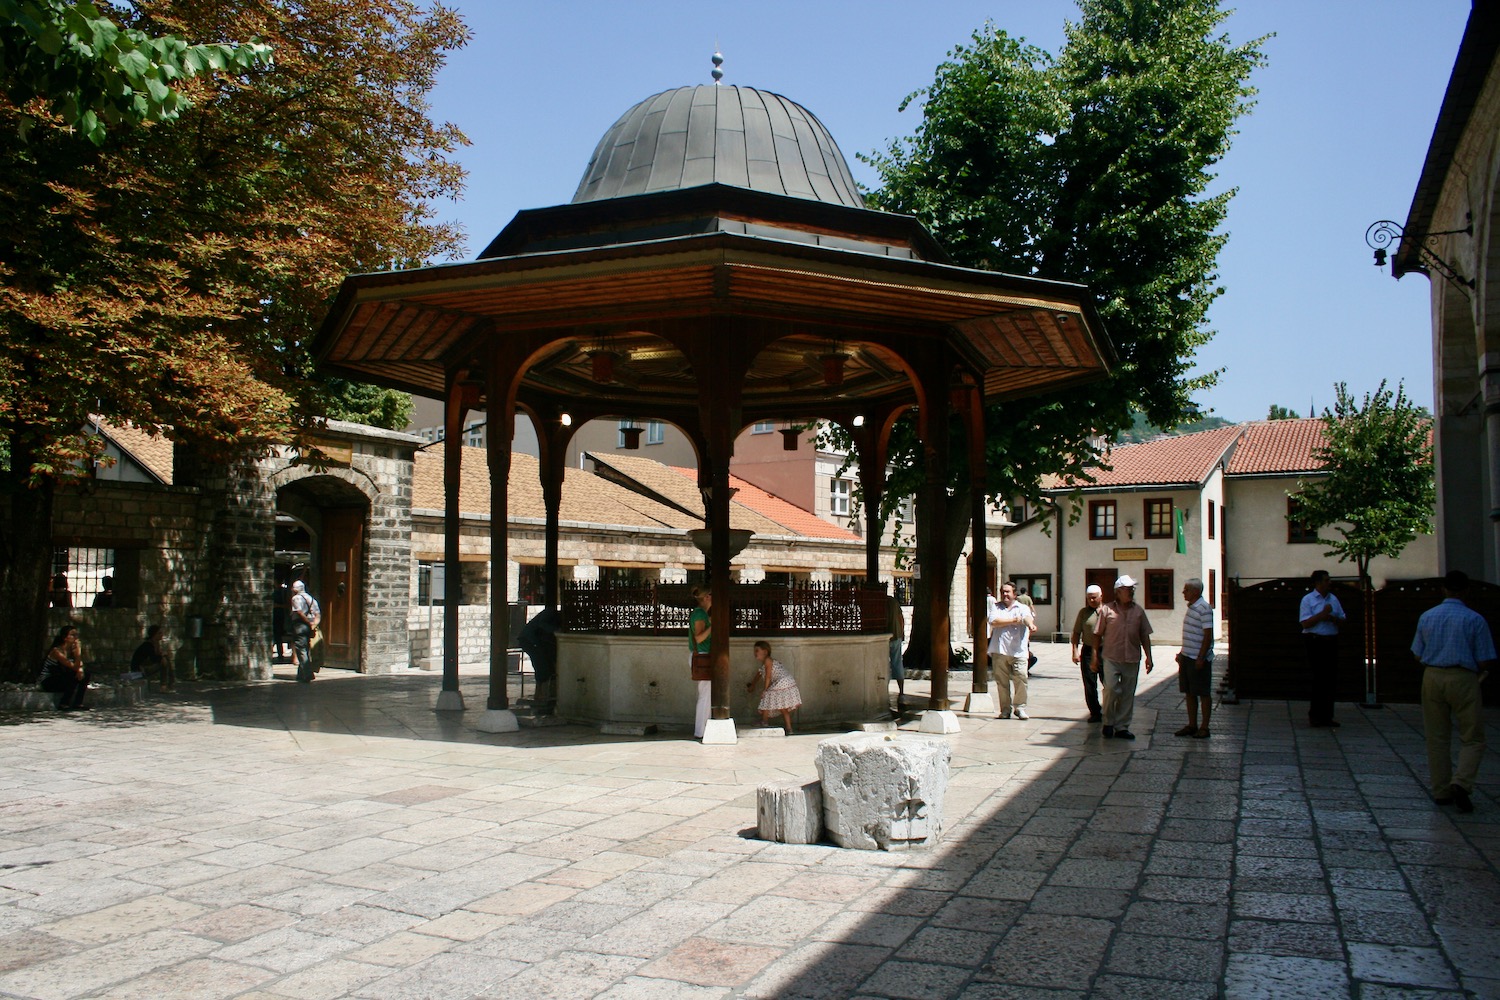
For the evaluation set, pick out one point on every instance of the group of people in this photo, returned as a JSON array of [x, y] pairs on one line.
[[64, 673], [60, 594], [1456, 650]]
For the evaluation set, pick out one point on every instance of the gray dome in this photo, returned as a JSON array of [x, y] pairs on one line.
[[719, 135]]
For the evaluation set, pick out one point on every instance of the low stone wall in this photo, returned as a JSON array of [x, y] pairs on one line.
[[645, 679], [425, 636], [110, 692]]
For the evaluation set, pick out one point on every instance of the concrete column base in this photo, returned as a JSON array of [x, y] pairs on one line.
[[497, 720], [450, 701], [980, 703], [719, 732], [940, 722]]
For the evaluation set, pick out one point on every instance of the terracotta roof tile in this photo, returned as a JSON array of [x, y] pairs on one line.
[[1186, 459], [1277, 446], [585, 497], [154, 452], [680, 487], [796, 520]]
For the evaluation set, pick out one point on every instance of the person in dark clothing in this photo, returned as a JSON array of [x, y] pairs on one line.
[[150, 656], [106, 597], [60, 595], [63, 671], [538, 640]]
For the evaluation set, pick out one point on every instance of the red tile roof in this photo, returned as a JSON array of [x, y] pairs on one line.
[[795, 519], [153, 451], [1186, 459], [1277, 446]]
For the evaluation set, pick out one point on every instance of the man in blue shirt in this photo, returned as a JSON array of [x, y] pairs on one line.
[[1454, 644], [1321, 616]]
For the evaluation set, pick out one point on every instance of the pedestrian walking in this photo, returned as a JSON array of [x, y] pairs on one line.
[[1010, 641], [306, 617], [1086, 649], [1124, 634], [1454, 645]]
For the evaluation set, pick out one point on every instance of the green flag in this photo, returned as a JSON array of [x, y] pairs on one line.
[[1181, 531]]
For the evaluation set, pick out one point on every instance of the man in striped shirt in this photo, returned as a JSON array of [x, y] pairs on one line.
[[1454, 645], [1195, 662]]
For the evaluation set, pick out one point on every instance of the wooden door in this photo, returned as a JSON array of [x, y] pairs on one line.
[[1104, 578], [341, 586]]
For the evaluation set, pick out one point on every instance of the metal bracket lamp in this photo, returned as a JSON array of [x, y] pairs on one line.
[[1383, 234]]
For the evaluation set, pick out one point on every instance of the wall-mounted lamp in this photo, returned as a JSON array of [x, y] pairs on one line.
[[566, 420], [1129, 529], [789, 438], [1385, 233], [859, 421], [631, 438]]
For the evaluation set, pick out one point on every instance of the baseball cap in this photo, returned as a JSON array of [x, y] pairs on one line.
[[1093, 588], [1125, 581]]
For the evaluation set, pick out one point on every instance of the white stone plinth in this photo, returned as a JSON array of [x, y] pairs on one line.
[[719, 732], [497, 720], [941, 723], [980, 703], [790, 812], [450, 701], [883, 792]]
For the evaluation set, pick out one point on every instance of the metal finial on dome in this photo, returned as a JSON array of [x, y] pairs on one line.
[[718, 72]]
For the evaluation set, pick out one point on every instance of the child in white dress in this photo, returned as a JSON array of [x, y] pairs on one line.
[[781, 693]]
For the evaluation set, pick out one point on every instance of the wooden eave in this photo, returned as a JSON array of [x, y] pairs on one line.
[[404, 328]]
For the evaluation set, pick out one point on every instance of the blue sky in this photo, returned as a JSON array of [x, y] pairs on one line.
[[1346, 108]]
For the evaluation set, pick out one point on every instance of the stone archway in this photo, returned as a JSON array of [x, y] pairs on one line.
[[322, 523]]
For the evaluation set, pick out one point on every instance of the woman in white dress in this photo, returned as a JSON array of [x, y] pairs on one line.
[[781, 693]]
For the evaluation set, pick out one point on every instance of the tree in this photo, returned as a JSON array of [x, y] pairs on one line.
[[367, 404], [91, 72], [173, 275], [1093, 167], [1379, 491], [1278, 412]]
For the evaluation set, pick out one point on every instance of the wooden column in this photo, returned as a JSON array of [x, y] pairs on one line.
[[870, 444], [499, 432], [933, 376], [455, 404], [973, 403], [552, 442]]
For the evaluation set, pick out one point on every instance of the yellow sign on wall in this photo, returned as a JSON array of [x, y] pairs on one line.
[[1130, 555]]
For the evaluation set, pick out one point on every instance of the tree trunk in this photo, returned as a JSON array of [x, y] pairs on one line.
[[25, 570], [955, 515]]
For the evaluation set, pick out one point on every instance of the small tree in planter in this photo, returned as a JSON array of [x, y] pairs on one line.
[[1379, 491]]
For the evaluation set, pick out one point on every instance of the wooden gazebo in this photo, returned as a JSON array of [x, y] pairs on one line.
[[716, 267]]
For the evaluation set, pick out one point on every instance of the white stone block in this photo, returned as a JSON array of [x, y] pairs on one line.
[[883, 792], [980, 703], [497, 720], [790, 812], [941, 723], [719, 732]]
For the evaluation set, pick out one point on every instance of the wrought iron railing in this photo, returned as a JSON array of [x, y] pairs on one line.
[[758, 608]]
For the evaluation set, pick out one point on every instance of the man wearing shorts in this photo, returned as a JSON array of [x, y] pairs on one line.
[[1195, 662]]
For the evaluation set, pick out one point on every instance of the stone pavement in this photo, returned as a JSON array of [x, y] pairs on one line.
[[343, 840]]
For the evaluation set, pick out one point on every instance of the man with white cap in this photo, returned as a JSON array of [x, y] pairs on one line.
[[1086, 649], [1124, 635], [305, 618]]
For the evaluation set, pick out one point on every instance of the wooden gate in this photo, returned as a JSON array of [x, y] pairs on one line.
[[341, 580], [1265, 650]]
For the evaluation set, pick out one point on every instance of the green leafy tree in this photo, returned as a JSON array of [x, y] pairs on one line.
[[367, 404], [172, 275], [91, 72], [1379, 493], [1279, 412], [1092, 166]]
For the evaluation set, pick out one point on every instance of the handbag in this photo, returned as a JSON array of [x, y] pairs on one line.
[[703, 667]]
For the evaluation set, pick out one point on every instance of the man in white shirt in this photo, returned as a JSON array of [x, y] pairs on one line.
[[1321, 616], [1195, 662], [1011, 624]]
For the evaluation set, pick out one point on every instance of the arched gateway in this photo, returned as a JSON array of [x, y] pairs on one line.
[[716, 267]]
